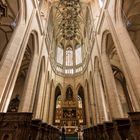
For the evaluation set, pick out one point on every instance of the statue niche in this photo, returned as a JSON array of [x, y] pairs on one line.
[[69, 94], [14, 104]]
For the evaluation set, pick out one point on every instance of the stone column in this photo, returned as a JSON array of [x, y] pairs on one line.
[[13, 57], [40, 96], [102, 111], [87, 107], [128, 57], [52, 103], [104, 104], [10, 66], [44, 90], [113, 97], [28, 93], [92, 101], [47, 103], [132, 67]]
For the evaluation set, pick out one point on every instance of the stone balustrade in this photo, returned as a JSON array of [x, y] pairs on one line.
[[20, 126], [118, 129]]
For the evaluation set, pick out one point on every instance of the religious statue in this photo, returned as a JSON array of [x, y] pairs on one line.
[[14, 104], [69, 94]]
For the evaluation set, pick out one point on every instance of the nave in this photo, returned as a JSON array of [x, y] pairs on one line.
[[69, 69]]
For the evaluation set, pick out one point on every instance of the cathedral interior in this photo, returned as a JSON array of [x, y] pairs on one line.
[[72, 64]]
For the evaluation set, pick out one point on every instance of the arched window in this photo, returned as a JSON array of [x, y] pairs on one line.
[[78, 55], [58, 110], [58, 102], [80, 110], [58, 106], [69, 56], [60, 55], [81, 106], [79, 102]]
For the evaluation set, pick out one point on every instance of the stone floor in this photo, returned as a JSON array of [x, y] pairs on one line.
[[71, 138]]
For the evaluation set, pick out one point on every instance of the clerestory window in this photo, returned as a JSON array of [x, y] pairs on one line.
[[60, 54], [69, 60], [78, 54], [69, 56]]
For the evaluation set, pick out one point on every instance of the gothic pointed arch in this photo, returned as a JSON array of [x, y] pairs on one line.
[[23, 73], [109, 49], [122, 89], [87, 90], [39, 89], [104, 41], [58, 106], [81, 105], [69, 93]]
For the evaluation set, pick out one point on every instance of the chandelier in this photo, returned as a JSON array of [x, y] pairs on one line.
[[69, 25]]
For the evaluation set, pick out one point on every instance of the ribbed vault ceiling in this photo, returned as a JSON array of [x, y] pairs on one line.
[[69, 20]]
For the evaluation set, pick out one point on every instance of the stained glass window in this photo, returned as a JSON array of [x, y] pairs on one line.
[[78, 55], [69, 56], [58, 109], [79, 102], [80, 110], [58, 102], [60, 55]]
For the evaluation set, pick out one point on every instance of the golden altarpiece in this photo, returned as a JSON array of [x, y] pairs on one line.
[[69, 112]]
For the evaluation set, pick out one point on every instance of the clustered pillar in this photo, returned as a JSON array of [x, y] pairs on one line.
[[113, 97]]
